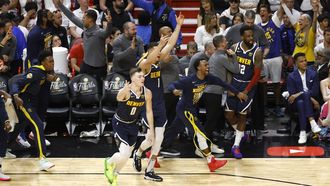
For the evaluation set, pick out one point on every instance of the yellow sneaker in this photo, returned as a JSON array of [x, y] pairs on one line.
[[114, 181], [109, 170]]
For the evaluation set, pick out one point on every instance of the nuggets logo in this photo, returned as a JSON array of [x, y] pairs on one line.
[[155, 74], [244, 61]]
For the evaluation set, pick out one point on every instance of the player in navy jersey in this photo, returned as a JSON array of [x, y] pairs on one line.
[[249, 57], [132, 99], [151, 67], [191, 90], [273, 61]]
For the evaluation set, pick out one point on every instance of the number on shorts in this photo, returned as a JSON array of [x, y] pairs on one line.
[[133, 111], [241, 69]]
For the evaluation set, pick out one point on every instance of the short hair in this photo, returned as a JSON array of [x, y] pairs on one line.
[[326, 30], [217, 40], [126, 25], [322, 17], [133, 71], [208, 45], [238, 14], [43, 55], [263, 6], [4, 2], [297, 55], [245, 28], [31, 6], [250, 14], [198, 61], [91, 14], [192, 45], [144, 18]]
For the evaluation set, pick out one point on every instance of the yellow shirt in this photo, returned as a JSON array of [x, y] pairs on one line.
[[305, 46]]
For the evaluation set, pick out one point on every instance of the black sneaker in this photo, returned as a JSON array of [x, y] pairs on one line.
[[168, 152], [152, 176], [137, 162]]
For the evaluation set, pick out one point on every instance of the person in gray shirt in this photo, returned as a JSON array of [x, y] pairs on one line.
[[233, 36], [94, 38], [221, 63], [127, 49], [184, 61], [206, 54]]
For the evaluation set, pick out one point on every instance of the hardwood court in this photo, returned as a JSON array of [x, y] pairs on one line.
[[185, 172]]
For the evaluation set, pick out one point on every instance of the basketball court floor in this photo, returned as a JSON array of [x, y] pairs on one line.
[[276, 159]]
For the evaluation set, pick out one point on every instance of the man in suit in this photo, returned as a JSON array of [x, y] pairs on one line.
[[303, 86]]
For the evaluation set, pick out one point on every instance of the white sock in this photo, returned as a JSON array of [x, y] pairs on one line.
[[139, 152], [238, 137], [151, 165], [209, 158], [235, 126]]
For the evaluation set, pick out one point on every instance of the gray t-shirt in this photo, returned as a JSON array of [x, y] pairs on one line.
[[170, 72]]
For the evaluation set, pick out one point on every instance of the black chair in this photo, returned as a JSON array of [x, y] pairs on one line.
[[85, 101], [111, 85], [59, 100]]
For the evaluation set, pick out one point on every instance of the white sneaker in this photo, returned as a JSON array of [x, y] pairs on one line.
[[302, 137], [9, 155], [199, 153], [47, 142], [4, 177], [31, 136], [215, 149], [315, 128], [23, 143], [45, 165]]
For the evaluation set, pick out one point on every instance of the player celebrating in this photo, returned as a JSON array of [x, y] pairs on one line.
[[132, 99], [249, 57], [192, 89], [151, 68]]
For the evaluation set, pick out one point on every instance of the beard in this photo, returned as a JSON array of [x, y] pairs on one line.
[[248, 44]]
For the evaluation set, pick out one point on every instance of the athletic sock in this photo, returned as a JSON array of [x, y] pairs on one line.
[[238, 137], [151, 165], [209, 158], [138, 152]]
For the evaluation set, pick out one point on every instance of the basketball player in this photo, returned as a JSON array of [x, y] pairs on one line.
[[249, 57], [4, 129], [192, 89], [151, 68], [132, 99], [25, 91]]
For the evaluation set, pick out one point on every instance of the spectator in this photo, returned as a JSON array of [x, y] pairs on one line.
[[23, 4], [206, 32], [206, 54], [4, 6], [326, 41], [39, 38], [4, 69], [323, 21], [16, 66], [161, 15], [305, 33], [51, 7], [325, 90], [274, 5], [94, 63], [29, 20], [322, 61], [237, 19], [8, 42], [206, 6], [295, 13], [221, 63], [127, 49], [287, 36], [143, 29], [303, 87], [56, 41], [115, 33], [76, 57], [107, 4], [192, 49], [119, 16], [75, 30], [59, 30], [232, 10]]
